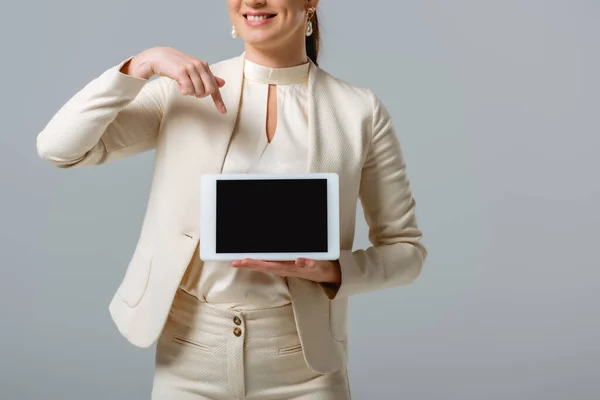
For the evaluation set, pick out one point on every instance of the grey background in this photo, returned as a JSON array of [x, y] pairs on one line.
[[496, 104]]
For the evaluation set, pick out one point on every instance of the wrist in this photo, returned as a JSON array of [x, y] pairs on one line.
[[138, 67], [333, 273]]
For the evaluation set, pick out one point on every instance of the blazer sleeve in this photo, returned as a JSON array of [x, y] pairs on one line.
[[397, 255], [113, 116]]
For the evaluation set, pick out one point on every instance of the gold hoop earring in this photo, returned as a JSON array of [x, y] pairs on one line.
[[310, 11]]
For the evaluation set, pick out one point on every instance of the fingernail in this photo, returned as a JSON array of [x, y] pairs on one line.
[[223, 109], [301, 262]]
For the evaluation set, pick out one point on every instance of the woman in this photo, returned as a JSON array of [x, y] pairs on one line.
[[249, 329]]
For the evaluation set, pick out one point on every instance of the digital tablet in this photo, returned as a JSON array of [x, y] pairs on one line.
[[269, 217]]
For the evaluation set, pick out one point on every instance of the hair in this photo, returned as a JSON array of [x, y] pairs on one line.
[[313, 41]]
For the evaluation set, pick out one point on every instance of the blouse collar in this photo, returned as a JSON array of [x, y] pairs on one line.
[[276, 76]]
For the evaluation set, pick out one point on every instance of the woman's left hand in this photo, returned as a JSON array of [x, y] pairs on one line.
[[317, 271]]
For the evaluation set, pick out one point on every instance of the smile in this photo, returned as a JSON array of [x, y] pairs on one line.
[[258, 19]]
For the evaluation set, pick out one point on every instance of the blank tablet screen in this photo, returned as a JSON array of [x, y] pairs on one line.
[[271, 216]]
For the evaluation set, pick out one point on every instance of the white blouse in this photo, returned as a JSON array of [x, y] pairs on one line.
[[249, 151]]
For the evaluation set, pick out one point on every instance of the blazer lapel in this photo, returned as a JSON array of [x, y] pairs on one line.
[[209, 147], [315, 149], [325, 130], [231, 94]]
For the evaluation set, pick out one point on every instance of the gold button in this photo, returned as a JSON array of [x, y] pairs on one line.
[[237, 321], [237, 331]]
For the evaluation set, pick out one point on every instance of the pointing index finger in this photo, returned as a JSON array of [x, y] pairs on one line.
[[218, 100], [216, 94]]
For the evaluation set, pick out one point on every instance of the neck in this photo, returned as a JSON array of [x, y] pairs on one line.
[[277, 57]]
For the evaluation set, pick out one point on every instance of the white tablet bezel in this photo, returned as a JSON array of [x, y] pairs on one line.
[[208, 221]]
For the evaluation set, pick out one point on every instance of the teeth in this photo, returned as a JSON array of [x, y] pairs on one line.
[[256, 17]]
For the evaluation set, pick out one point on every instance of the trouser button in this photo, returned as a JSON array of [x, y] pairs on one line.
[[237, 331], [237, 320]]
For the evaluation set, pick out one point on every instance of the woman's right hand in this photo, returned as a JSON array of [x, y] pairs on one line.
[[192, 75]]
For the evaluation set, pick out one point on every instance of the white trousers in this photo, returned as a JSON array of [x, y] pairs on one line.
[[207, 352]]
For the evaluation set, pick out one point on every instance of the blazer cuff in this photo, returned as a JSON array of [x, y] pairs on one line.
[[120, 84]]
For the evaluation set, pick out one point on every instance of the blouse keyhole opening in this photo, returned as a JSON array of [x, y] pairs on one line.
[[271, 123]]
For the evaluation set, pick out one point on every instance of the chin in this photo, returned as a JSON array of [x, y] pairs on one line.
[[259, 39]]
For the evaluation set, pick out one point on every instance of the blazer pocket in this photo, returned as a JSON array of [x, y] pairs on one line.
[[297, 348], [136, 278], [190, 343]]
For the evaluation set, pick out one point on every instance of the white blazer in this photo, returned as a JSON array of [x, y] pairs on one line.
[[350, 133]]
